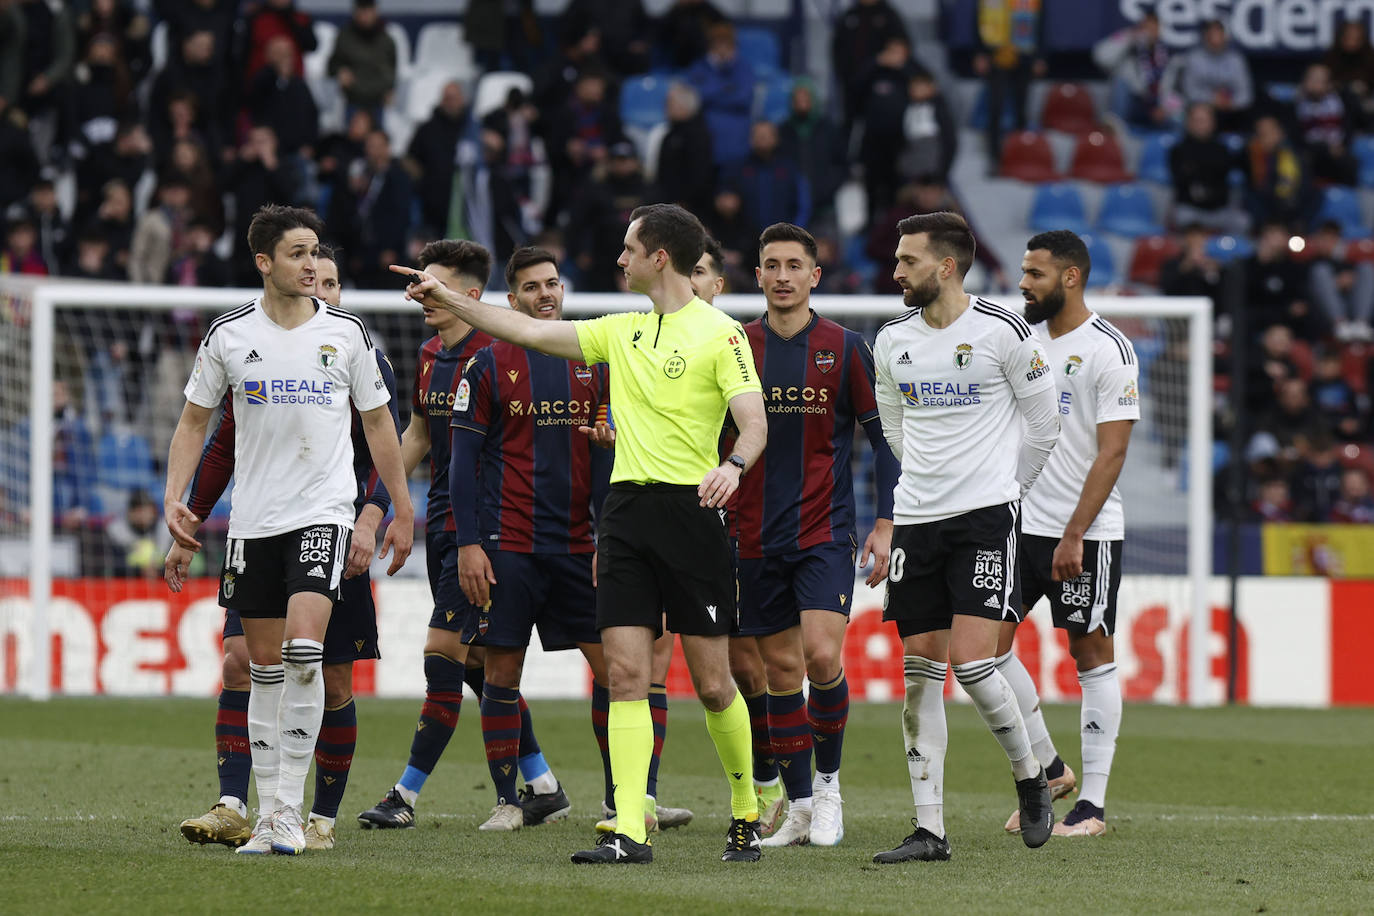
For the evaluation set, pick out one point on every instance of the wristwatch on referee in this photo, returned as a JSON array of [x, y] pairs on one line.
[[737, 461]]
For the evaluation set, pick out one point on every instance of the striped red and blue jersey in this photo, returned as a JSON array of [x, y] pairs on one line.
[[217, 458], [437, 374], [536, 478], [816, 385]]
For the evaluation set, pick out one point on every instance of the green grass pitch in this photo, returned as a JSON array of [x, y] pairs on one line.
[[1228, 810]]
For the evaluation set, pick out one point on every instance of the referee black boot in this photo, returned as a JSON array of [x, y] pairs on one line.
[[615, 849], [1037, 809], [742, 841]]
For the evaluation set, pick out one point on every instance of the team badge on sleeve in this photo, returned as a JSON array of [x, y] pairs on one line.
[[328, 355], [825, 360], [1037, 366], [462, 396], [963, 356], [583, 373], [1129, 396]]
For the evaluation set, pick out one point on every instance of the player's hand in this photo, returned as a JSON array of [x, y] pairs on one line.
[[719, 484], [182, 523], [176, 567], [423, 287], [1067, 563], [475, 575], [601, 435], [360, 548], [879, 545], [400, 537]]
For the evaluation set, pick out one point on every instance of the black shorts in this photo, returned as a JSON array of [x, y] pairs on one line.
[[960, 565], [659, 550], [260, 574], [553, 591], [452, 610], [773, 591], [352, 632], [1081, 605]]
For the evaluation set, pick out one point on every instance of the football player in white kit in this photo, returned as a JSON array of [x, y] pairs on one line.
[[1072, 524], [293, 364], [967, 405]]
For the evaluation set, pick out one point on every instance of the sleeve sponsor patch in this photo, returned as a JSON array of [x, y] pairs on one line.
[[462, 397]]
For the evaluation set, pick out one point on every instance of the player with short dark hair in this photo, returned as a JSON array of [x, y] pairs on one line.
[[967, 404], [1073, 525], [452, 652], [662, 542], [796, 517], [293, 363], [350, 636]]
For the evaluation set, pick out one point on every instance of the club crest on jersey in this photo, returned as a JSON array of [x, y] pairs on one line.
[[255, 392], [1037, 366], [825, 360], [674, 366], [1073, 364], [583, 373], [328, 355], [963, 356]]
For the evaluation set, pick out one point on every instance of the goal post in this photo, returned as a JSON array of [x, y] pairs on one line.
[[1168, 470]]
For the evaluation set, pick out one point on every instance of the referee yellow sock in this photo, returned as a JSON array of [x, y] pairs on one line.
[[630, 737], [729, 729]]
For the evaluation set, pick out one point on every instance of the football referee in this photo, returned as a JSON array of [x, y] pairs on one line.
[[662, 543]]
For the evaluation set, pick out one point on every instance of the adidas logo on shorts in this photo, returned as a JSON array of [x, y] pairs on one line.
[[993, 602], [317, 572], [1076, 617]]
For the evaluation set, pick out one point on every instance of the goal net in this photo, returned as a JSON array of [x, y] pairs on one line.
[[91, 377]]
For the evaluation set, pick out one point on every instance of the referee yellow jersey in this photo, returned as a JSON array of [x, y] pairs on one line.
[[672, 378]]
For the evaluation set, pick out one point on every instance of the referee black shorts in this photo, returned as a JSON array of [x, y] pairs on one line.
[[659, 550]]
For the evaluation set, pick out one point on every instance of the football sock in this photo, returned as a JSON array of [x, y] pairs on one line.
[[263, 701], [765, 764], [729, 730], [827, 708], [533, 766], [925, 735], [232, 758], [658, 711], [438, 719], [601, 705], [790, 733], [334, 757], [1101, 722], [1028, 699], [630, 735], [992, 697], [302, 708], [501, 736]]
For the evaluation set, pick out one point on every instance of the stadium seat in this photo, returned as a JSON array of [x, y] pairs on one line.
[[423, 93], [759, 47], [316, 62], [440, 47], [1283, 93], [641, 101], [1227, 248], [494, 87], [1150, 254], [1058, 206], [1343, 206], [649, 149], [1069, 107], [1363, 150], [1027, 155], [1098, 157], [1360, 251], [1128, 210], [404, 64], [157, 46], [1154, 158], [1103, 271], [773, 99], [1355, 366]]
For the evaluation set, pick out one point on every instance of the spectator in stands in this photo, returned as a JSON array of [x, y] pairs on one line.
[[184, 120], [337, 154], [1201, 165], [20, 254], [12, 48], [159, 232], [1274, 503], [126, 162], [1355, 505], [503, 35], [383, 191], [1136, 60], [1291, 419], [580, 134], [272, 18], [18, 161], [601, 211], [1215, 73], [885, 94], [74, 467], [926, 194], [1317, 483], [525, 161], [1193, 272], [93, 261], [126, 25], [1343, 292], [186, 16], [772, 189], [725, 82], [682, 32], [99, 98], [931, 138], [195, 68], [860, 33], [256, 178], [554, 82], [738, 242], [191, 162], [433, 155], [280, 99], [1351, 62], [1334, 397], [1324, 126], [114, 221], [139, 541], [624, 26], [364, 59], [198, 264], [491, 208], [809, 136], [1271, 364], [1010, 34], [685, 172], [49, 53], [54, 230], [1276, 176], [1276, 287]]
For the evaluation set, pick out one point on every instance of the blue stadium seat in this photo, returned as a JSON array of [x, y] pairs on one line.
[[1343, 206], [1058, 206], [1103, 271], [1128, 210], [641, 101], [125, 461], [1154, 158], [1225, 248], [759, 47], [774, 98], [1363, 148]]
